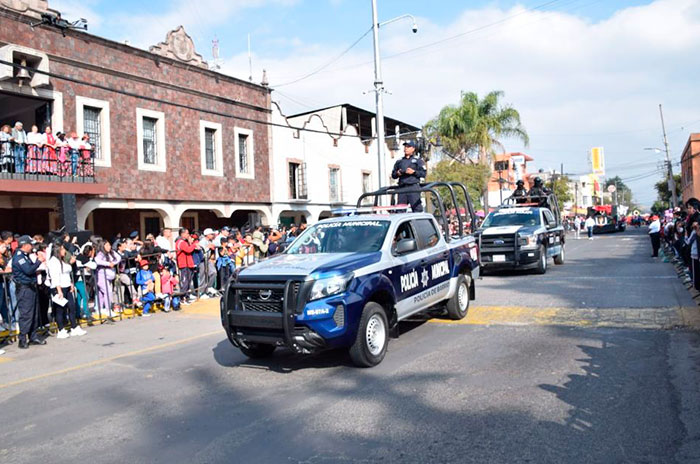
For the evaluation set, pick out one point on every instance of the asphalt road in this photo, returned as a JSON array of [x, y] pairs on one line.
[[172, 389]]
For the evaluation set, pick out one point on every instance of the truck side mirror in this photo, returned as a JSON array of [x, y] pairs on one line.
[[406, 245]]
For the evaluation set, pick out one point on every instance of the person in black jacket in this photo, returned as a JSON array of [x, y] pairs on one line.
[[409, 171]]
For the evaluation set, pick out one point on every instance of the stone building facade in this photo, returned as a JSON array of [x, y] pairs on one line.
[[177, 144]]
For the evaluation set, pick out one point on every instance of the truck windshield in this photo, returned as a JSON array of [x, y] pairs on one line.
[[512, 217], [341, 237]]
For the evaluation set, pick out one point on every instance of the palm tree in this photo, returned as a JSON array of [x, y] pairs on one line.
[[475, 127]]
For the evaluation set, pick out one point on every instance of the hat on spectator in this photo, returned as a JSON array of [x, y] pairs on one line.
[[143, 262], [134, 234], [208, 231], [259, 241], [23, 240], [226, 228]]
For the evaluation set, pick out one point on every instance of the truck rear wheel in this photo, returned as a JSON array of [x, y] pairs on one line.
[[257, 350], [458, 305], [372, 337], [542, 264]]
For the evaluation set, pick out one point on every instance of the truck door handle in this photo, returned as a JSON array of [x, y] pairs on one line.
[[423, 262], [446, 254]]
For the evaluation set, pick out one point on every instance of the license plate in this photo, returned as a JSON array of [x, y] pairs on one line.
[[499, 258]]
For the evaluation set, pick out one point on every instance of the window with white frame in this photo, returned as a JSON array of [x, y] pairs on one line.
[[366, 182], [245, 153], [150, 139], [92, 118], [334, 184], [297, 181], [211, 148]]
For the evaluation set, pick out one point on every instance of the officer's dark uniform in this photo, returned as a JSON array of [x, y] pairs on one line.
[[520, 194], [538, 190], [409, 180], [24, 275]]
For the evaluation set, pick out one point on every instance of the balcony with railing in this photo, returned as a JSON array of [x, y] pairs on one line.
[[31, 168]]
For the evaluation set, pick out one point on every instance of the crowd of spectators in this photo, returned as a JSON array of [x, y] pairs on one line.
[[678, 232], [102, 279], [45, 153]]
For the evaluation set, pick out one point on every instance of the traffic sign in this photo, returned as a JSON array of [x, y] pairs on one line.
[[636, 213], [611, 188]]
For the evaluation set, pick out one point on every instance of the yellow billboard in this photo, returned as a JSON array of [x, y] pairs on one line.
[[598, 160]]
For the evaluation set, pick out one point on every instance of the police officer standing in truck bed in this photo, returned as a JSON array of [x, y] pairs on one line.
[[24, 275], [409, 171]]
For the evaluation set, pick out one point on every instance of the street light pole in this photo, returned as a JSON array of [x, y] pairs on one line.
[[671, 180], [378, 90]]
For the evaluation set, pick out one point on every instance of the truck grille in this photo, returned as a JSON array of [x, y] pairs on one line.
[[495, 242], [268, 300]]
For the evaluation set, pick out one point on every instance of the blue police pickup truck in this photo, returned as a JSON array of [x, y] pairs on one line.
[[346, 282]]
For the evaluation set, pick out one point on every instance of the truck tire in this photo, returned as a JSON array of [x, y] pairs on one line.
[[542, 264], [372, 337], [559, 259], [458, 305], [257, 350]]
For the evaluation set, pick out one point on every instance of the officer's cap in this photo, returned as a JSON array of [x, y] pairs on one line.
[[134, 234], [410, 143], [23, 240]]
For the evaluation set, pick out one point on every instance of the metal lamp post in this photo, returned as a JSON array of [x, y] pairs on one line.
[[379, 86]]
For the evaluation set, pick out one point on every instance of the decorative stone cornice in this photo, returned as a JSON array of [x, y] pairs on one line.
[[33, 8], [178, 46]]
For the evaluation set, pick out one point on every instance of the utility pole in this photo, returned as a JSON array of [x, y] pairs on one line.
[[671, 180], [378, 90]]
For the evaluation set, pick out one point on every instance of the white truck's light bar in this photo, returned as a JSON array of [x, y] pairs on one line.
[[371, 210]]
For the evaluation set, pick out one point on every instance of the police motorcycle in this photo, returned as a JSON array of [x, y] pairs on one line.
[[347, 281], [523, 233]]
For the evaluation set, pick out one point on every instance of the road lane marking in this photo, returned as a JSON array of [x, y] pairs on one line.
[[110, 359], [639, 318]]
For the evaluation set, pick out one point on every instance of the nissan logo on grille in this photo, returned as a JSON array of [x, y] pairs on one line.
[[265, 294], [498, 242]]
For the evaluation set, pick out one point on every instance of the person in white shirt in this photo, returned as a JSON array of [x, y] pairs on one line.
[[60, 273], [654, 234], [577, 227], [590, 224], [35, 145], [164, 240], [74, 144]]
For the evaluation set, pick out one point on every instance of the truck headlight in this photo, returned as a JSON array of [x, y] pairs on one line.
[[330, 286], [528, 242]]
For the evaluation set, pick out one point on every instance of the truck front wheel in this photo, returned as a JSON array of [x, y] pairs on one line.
[[257, 350], [458, 305], [542, 264], [372, 337]]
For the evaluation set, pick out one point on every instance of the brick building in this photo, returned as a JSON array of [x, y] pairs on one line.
[[175, 143], [690, 168]]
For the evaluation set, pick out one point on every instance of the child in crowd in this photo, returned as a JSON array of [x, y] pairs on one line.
[[167, 285], [224, 266], [147, 283]]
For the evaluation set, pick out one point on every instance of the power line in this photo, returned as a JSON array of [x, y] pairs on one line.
[[182, 105], [318, 70], [412, 50]]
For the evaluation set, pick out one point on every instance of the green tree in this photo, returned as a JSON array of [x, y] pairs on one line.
[[473, 176], [659, 207], [664, 193], [562, 189], [475, 126], [623, 192]]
